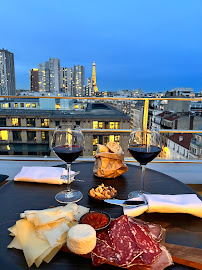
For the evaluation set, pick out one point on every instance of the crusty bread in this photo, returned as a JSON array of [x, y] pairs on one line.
[[115, 147], [102, 148]]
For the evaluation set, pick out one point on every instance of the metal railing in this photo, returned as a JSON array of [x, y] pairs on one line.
[[102, 130]]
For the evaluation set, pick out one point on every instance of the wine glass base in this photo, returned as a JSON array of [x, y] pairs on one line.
[[136, 194], [69, 197]]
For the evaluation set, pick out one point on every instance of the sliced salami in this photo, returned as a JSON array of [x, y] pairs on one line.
[[96, 260], [123, 242], [104, 251], [155, 230], [104, 235], [151, 249]]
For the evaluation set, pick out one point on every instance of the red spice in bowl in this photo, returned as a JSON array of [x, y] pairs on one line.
[[98, 220]]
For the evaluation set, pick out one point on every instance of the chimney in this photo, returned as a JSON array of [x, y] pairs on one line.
[[176, 122], [191, 122], [180, 138]]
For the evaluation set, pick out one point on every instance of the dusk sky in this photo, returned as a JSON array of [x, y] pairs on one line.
[[155, 45]]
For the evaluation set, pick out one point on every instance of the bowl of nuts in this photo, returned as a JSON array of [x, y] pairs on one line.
[[102, 192]]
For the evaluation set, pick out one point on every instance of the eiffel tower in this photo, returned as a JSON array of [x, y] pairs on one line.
[[94, 85]]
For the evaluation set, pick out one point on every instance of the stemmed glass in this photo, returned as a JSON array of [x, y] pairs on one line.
[[144, 146], [68, 144]]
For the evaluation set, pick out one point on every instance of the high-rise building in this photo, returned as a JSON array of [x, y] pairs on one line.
[[88, 88], [66, 80], [7, 73], [34, 79], [41, 77], [79, 81], [49, 75], [54, 66]]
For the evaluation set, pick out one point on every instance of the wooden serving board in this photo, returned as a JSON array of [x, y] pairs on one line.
[[188, 256]]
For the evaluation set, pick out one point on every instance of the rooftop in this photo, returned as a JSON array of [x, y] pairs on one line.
[[182, 139], [96, 111]]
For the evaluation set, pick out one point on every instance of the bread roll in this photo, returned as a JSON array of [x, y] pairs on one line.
[[114, 148], [102, 148]]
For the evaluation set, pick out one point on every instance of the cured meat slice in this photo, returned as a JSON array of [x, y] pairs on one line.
[[104, 251], [123, 242], [151, 249], [155, 230], [104, 235], [164, 260], [96, 260]]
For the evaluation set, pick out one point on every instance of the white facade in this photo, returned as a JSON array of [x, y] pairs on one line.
[[177, 151]]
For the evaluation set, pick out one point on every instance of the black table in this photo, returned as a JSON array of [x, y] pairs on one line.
[[182, 229]]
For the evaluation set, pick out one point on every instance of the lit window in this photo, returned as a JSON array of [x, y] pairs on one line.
[[76, 106], [33, 105], [27, 105], [45, 122], [15, 122], [44, 136], [5, 105], [111, 125], [100, 125], [3, 135], [111, 138], [116, 138], [15, 105], [57, 106], [95, 124], [117, 125], [95, 140]]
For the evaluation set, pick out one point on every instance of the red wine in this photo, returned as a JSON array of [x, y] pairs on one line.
[[144, 154], [68, 153]]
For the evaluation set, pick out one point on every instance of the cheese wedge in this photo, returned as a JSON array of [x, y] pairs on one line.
[[32, 246], [81, 211]]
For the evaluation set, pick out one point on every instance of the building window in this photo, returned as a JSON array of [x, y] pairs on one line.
[[15, 105], [107, 125], [21, 105], [27, 105], [45, 136], [101, 125], [33, 105], [95, 124], [57, 123], [57, 106], [111, 125], [16, 122], [3, 135], [5, 105], [30, 122], [95, 139], [17, 136], [2, 122], [45, 122], [78, 123], [76, 106], [31, 135], [117, 125]]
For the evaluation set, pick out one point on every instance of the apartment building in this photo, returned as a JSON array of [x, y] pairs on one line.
[[94, 116], [7, 73]]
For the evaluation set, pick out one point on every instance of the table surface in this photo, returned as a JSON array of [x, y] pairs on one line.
[[182, 229]]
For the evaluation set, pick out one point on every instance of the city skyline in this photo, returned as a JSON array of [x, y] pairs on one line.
[[153, 46]]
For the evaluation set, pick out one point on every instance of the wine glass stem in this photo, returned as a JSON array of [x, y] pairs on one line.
[[69, 178], [142, 178]]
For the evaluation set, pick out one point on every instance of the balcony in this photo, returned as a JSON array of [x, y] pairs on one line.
[[180, 169]]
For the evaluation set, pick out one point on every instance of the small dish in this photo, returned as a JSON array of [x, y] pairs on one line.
[[99, 220], [101, 199]]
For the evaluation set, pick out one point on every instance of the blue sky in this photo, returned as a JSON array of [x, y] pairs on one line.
[[154, 45]]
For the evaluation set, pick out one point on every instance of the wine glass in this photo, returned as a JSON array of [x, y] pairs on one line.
[[68, 144], [144, 146]]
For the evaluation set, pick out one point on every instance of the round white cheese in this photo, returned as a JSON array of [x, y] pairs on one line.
[[81, 239]]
